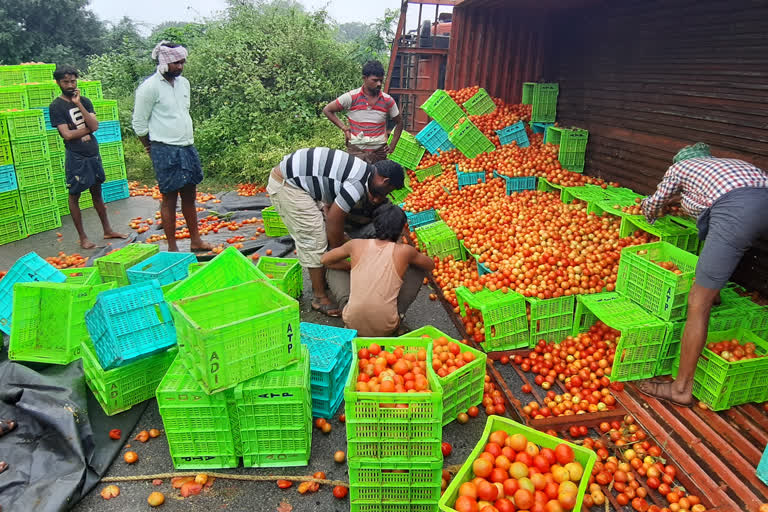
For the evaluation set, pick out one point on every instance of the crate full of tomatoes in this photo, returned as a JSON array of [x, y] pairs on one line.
[[513, 467], [460, 370]]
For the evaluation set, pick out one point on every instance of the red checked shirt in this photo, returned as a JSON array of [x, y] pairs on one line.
[[367, 122], [700, 182]]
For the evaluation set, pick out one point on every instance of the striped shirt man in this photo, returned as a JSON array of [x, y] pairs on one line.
[[327, 175], [368, 123], [700, 182]]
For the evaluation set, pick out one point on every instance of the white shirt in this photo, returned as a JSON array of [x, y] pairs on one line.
[[162, 111]]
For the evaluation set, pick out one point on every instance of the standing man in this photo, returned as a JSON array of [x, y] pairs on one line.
[[314, 190], [162, 122], [728, 199], [73, 116], [368, 110]]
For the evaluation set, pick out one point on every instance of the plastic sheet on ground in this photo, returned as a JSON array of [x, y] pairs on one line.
[[60, 447]]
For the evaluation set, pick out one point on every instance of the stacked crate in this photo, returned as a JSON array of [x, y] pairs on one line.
[[12, 226], [393, 439], [573, 146], [241, 362], [109, 137], [31, 159]]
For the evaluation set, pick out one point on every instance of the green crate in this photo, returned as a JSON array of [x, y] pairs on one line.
[[90, 89], [657, 290], [543, 101], [470, 140], [112, 267], [721, 384], [106, 110], [41, 95], [233, 334], [227, 269], [115, 171], [34, 199], [38, 72], [6, 155], [757, 321], [273, 224], [85, 276], [386, 483], [198, 426], [666, 230], [643, 336], [43, 220], [398, 427], [551, 319], [589, 194], [439, 241], [34, 174], [573, 146], [55, 144], [13, 97], [120, 389], [49, 321], [464, 387], [12, 75], [545, 186], [441, 107], [479, 104], [12, 229], [10, 205], [504, 318], [62, 200], [432, 170], [408, 151], [112, 152], [29, 151], [399, 195], [275, 416], [583, 456], [58, 169], [24, 124], [285, 273], [622, 193]]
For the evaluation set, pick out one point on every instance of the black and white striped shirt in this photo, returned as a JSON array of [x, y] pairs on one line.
[[328, 175]]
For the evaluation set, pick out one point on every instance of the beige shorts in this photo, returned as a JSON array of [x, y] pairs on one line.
[[303, 216]]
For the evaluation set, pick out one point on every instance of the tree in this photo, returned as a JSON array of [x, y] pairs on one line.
[[62, 31]]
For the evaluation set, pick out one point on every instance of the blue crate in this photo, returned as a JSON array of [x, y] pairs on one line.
[[422, 218], [330, 357], [322, 408], [514, 133], [47, 116], [115, 190], [8, 178], [517, 183], [762, 468], [109, 131], [129, 323], [540, 128], [469, 178], [28, 268], [434, 138], [166, 267]]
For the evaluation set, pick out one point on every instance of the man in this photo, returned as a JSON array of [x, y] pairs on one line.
[[314, 190], [368, 110], [728, 198], [73, 116], [162, 122]]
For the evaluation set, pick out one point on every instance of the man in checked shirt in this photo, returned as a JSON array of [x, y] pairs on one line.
[[728, 199]]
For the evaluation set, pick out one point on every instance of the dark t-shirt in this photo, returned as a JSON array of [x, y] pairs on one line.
[[65, 112]]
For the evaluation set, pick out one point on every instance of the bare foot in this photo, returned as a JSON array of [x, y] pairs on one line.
[[326, 306], [665, 391], [114, 234], [200, 246], [87, 244], [3, 466]]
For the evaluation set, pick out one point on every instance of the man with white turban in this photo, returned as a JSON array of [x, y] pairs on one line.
[[162, 122]]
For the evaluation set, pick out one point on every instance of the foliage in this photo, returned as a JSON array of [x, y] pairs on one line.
[[61, 31], [370, 41]]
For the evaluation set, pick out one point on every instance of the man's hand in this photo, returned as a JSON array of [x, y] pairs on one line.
[[391, 149], [347, 134], [76, 97], [148, 149]]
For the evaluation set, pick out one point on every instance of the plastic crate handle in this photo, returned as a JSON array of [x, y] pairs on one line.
[[163, 312]]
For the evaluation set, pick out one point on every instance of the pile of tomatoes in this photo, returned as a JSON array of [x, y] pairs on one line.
[[447, 356], [250, 189], [398, 371], [513, 473], [669, 265], [733, 350], [137, 189], [581, 365], [64, 260]]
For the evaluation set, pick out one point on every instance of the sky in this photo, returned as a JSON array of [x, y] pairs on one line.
[[153, 12]]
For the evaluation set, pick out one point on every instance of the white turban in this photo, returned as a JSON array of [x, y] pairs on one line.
[[165, 55]]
